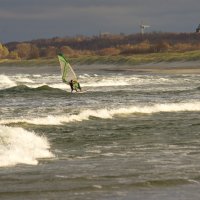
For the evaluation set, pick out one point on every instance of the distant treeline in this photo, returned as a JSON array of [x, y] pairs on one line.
[[104, 44]]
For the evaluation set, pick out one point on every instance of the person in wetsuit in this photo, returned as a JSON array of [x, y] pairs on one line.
[[75, 85]]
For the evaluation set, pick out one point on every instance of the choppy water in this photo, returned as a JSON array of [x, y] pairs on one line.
[[129, 136]]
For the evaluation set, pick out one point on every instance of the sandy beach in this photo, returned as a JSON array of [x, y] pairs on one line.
[[180, 67], [174, 67]]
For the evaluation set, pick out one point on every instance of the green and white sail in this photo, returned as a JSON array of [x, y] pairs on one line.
[[67, 72]]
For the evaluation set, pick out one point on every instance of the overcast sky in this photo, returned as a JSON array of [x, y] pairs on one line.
[[22, 20]]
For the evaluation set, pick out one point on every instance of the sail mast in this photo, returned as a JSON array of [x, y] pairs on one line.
[[67, 71]]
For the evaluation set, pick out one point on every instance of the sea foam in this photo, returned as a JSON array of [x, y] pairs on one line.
[[18, 145], [6, 82], [107, 113]]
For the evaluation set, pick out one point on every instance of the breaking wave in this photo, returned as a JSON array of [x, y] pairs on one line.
[[108, 113], [6, 82], [25, 88], [18, 146], [93, 81]]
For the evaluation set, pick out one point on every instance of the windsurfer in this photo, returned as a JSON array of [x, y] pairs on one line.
[[75, 85], [68, 74]]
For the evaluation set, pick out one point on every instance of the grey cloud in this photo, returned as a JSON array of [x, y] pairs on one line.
[[46, 18]]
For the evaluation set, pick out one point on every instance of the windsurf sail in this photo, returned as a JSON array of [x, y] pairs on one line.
[[67, 71]]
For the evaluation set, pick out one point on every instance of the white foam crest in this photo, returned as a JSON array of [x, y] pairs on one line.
[[58, 120], [146, 80], [24, 80], [171, 107], [35, 85], [37, 75], [61, 86], [106, 82], [20, 146], [108, 113], [84, 76], [6, 82], [97, 81]]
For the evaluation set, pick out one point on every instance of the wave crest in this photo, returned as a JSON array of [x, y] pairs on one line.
[[25, 88], [6, 82], [108, 113], [20, 146]]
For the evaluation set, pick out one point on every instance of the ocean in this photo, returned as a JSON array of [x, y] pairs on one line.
[[130, 136]]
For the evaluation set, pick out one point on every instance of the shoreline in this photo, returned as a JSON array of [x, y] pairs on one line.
[[187, 67], [149, 63]]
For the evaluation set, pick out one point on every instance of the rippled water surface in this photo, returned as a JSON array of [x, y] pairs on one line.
[[128, 136]]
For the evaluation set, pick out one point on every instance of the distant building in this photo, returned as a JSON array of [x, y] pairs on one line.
[[198, 29]]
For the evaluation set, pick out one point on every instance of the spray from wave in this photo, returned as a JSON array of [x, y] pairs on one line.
[[20, 146], [6, 82], [108, 113]]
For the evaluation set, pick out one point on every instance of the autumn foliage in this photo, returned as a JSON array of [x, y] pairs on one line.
[[102, 45]]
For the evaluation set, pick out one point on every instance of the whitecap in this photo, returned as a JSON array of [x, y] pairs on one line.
[[6, 82], [107, 113], [19, 146]]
